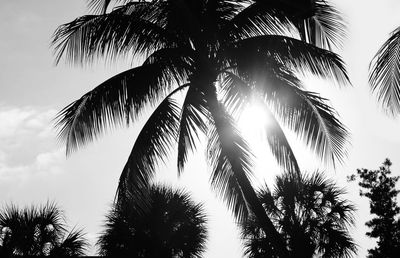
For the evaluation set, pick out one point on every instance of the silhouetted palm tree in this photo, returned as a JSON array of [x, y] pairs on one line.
[[310, 214], [384, 75], [219, 53], [38, 231], [173, 226]]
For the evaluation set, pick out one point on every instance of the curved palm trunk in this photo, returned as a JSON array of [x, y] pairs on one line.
[[270, 231], [243, 181]]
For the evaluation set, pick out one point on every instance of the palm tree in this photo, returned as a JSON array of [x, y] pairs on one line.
[[384, 75], [174, 226], [310, 214], [38, 231], [218, 53]]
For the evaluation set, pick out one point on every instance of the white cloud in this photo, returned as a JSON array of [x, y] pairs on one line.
[[28, 145], [24, 121]]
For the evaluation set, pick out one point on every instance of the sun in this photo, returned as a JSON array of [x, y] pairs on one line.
[[253, 121]]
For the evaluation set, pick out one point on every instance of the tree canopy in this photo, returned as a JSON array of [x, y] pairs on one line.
[[217, 53], [380, 188]]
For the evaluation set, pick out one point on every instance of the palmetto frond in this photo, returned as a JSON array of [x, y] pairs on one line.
[[306, 211], [337, 243], [384, 74], [174, 226], [73, 245], [38, 231]]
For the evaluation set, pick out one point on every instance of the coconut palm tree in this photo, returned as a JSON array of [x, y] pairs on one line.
[[217, 53], [38, 231], [173, 226], [384, 75], [310, 214]]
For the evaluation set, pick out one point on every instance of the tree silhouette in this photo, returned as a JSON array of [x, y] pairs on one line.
[[310, 214], [173, 226], [380, 188], [38, 231], [218, 53]]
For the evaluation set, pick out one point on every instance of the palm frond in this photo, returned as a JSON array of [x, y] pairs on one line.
[[128, 29], [152, 144], [279, 145], [74, 244], [256, 19], [298, 55], [305, 219], [230, 160], [306, 113], [315, 122], [173, 226], [101, 6], [325, 28], [193, 114], [236, 93], [384, 75], [51, 214], [115, 101], [337, 243]]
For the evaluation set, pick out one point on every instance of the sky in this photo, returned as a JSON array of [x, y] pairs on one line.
[[34, 168]]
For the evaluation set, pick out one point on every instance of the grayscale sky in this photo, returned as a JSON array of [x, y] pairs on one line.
[[33, 166]]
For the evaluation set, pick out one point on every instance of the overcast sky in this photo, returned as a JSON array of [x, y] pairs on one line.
[[33, 167]]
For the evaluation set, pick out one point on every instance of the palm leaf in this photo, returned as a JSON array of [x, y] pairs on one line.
[[228, 155], [116, 100], [256, 19], [74, 244], [280, 146], [300, 56], [304, 112], [192, 120], [384, 76], [230, 160], [152, 144], [236, 93], [100, 6], [128, 29], [324, 28], [315, 122]]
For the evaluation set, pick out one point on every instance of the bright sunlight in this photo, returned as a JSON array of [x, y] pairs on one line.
[[253, 121]]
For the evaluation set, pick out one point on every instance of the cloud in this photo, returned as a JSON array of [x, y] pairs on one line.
[[28, 143]]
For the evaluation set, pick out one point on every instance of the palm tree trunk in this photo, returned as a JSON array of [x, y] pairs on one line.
[[256, 207], [247, 189]]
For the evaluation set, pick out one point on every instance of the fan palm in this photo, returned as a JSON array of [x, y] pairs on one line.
[[311, 216], [173, 226], [218, 53], [384, 76], [38, 231]]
